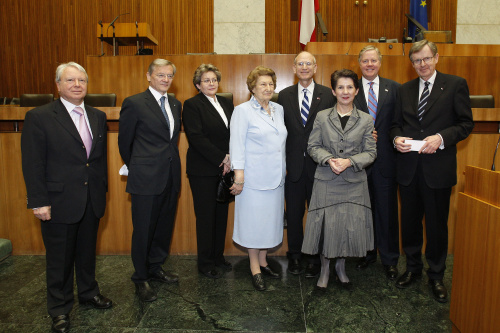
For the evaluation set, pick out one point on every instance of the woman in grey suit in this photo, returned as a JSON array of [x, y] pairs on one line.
[[339, 220], [257, 149], [206, 120]]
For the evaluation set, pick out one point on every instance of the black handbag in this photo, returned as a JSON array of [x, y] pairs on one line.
[[225, 182]]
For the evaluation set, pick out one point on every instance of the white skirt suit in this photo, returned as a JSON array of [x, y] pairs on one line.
[[257, 146]]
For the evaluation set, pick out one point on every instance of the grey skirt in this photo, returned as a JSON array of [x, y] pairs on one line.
[[339, 220]]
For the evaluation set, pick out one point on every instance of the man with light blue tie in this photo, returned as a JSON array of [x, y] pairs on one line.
[[377, 96], [148, 134], [301, 103]]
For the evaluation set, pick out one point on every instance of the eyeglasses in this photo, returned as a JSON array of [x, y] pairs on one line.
[[164, 76], [302, 64], [426, 60], [207, 81]]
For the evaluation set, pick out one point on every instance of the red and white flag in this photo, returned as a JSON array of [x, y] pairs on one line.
[[307, 29]]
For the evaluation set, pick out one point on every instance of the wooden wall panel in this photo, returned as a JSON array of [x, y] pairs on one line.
[[348, 22], [36, 36], [18, 224]]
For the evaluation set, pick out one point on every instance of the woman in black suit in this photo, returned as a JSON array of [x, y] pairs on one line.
[[206, 120]]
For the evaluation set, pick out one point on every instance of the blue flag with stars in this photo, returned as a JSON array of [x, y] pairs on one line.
[[418, 9]]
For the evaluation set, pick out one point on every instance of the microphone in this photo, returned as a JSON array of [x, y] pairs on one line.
[[116, 18], [100, 23], [495, 155]]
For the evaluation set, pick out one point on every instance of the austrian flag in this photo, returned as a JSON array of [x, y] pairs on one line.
[[307, 29]]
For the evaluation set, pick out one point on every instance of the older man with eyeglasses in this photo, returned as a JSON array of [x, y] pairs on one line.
[[432, 115]]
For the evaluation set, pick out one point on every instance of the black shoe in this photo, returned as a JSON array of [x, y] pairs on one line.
[[312, 270], [145, 292], [319, 290], [365, 262], [294, 267], [225, 266], [407, 279], [269, 272], [212, 274], [98, 302], [258, 282], [164, 277], [345, 285], [60, 324], [391, 271], [439, 290]]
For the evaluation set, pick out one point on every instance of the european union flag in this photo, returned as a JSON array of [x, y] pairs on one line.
[[418, 9]]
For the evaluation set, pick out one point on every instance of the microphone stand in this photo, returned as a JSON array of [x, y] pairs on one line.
[[102, 39], [114, 36], [137, 36]]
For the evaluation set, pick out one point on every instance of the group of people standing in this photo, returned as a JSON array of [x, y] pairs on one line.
[[340, 151]]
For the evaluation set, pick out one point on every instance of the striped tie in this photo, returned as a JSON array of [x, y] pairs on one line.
[[423, 101], [304, 110], [372, 102], [164, 110], [84, 131]]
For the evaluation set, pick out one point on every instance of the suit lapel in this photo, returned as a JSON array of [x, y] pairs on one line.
[[94, 125], [294, 97], [360, 98], [437, 90], [383, 93], [213, 111], [63, 117], [155, 108], [173, 108], [413, 88], [335, 121]]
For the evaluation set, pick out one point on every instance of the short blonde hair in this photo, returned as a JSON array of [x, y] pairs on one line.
[[258, 72]]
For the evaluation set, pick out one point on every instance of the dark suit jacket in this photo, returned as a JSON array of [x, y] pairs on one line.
[[145, 144], [448, 113], [56, 170], [298, 134], [207, 134], [386, 154]]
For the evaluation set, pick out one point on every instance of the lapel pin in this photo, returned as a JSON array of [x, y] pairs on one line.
[[318, 98], [386, 90]]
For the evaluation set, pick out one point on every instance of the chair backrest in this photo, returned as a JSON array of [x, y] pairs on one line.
[[171, 95], [3, 100], [482, 101], [35, 99], [97, 100], [13, 101], [275, 98], [227, 95]]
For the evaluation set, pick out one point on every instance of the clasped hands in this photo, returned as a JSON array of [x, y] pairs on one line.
[[430, 146], [338, 165], [227, 164]]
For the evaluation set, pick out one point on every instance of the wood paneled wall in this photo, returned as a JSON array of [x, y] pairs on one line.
[[18, 224], [36, 36], [348, 22]]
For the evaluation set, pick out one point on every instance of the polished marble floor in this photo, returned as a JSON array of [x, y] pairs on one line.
[[199, 304]]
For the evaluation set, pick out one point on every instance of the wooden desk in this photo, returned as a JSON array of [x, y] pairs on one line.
[[475, 294], [125, 34]]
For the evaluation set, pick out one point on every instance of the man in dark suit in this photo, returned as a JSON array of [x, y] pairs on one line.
[[147, 139], [434, 108], [301, 102], [377, 97], [64, 146]]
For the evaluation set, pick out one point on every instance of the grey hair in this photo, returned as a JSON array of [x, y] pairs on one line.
[[160, 63], [202, 69], [60, 69], [295, 59]]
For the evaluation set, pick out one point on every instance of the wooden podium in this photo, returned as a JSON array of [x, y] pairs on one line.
[[126, 34], [475, 293]]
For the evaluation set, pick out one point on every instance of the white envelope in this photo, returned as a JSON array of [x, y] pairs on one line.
[[415, 144], [123, 170]]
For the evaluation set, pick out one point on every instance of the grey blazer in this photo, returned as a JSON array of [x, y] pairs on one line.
[[355, 142]]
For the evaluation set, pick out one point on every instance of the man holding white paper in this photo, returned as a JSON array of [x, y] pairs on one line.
[[435, 110]]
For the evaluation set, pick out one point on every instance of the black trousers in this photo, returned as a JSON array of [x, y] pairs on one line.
[[296, 196], [419, 200], [211, 221], [384, 201], [153, 217], [70, 248]]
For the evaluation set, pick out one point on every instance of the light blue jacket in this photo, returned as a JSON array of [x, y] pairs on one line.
[[257, 145]]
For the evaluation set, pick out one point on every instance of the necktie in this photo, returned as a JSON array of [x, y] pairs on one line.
[[423, 101], [372, 102], [304, 110], [84, 131], [162, 100]]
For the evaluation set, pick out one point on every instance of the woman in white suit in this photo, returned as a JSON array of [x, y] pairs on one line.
[[257, 149]]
